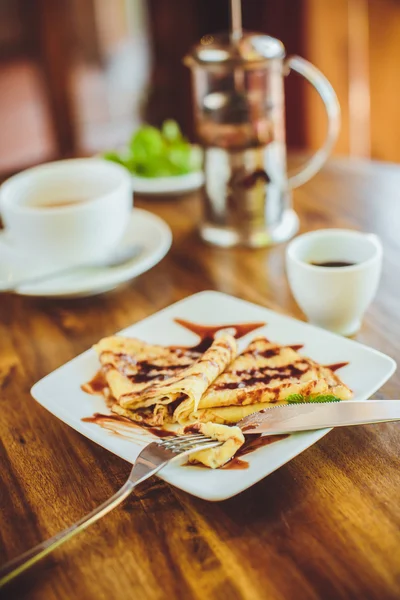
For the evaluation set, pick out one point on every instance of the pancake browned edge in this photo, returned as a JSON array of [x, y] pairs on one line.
[[149, 381], [158, 386], [265, 373]]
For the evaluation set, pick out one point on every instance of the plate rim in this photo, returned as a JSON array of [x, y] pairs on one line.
[[300, 444], [152, 185]]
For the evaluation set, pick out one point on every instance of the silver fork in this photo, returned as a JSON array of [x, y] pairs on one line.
[[152, 459]]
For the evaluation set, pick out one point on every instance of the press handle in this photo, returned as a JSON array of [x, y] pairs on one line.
[[330, 100]]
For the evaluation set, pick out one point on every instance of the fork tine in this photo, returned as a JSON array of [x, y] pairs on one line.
[[190, 437], [179, 440], [194, 447], [205, 446], [188, 443], [182, 439], [196, 443], [193, 441]]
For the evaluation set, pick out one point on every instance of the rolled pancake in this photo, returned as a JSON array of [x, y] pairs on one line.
[[232, 438], [264, 373], [154, 416], [188, 384], [130, 365]]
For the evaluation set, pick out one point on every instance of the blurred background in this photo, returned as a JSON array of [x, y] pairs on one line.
[[77, 76]]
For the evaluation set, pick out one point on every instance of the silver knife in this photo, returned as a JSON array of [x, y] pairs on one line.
[[306, 417]]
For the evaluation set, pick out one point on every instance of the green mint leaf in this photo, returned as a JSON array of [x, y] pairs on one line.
[[296, 399], [323, 398], [300, 399]]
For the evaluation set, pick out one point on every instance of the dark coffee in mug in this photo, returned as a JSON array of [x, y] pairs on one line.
[[333, 263]]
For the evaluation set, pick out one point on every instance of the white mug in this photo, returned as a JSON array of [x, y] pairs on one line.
[[334, 297], [68, 212]]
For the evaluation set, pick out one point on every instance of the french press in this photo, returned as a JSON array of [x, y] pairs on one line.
[[238, 89]]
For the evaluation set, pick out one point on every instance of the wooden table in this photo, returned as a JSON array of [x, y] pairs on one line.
[[326, 525]]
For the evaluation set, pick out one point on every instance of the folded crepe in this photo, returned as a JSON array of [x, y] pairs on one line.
[[154, 416], [148, 381], [264, 373], [226, 415], [130, 365], [232, 438], [187, 383], [158, 386]]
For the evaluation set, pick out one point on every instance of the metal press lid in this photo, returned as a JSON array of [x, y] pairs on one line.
[[252, 49]]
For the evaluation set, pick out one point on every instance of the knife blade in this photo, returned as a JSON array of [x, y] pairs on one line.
[[306, 417]]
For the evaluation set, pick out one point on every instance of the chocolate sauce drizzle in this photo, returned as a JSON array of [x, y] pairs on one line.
[[255, 441], [100, 418], [97, 385], [207, 333], [265, 376], [337, 366], [146, 371], [114, 422]]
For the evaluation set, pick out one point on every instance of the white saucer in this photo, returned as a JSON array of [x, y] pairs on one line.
[[145, 229], [165, 186]]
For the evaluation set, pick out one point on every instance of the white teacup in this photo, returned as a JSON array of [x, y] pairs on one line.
[[334, 297], [67, 212]]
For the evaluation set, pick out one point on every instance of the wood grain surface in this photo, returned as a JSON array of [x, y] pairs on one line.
[[324, 526]]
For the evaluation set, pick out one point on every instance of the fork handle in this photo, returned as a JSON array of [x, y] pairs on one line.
[[29, 558]]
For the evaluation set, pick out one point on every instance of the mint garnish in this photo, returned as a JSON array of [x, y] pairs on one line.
[[301, 399]]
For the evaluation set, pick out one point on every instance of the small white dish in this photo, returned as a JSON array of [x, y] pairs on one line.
[[334, 275], [167, 186], [61, 394], [144, 229]]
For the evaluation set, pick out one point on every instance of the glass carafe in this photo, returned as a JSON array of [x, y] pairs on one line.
[[240, 121]]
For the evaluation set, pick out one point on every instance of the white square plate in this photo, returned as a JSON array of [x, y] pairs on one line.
[[61, 394]]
